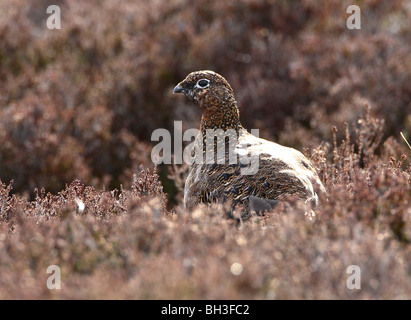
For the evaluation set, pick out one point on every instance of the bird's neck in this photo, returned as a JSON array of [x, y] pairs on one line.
[[224, 116]]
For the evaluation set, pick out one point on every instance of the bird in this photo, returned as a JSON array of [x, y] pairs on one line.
[[229, 176]]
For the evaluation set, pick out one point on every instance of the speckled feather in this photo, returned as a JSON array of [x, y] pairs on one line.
[[281, 172]]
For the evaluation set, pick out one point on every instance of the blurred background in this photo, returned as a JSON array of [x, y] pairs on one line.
[[81, 102]]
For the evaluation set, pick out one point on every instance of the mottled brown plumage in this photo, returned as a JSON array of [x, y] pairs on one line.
[[281, 171]]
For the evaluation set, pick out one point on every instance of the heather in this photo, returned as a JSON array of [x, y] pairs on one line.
[[78, 188]]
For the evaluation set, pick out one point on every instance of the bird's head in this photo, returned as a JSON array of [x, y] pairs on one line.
[[206, 89]]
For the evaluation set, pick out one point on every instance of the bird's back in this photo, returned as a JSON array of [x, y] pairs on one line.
[[280, 172]]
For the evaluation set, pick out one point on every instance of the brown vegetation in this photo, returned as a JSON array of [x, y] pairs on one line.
[[77, 108]]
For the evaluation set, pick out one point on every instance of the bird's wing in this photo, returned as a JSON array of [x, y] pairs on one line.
[[295, 163]]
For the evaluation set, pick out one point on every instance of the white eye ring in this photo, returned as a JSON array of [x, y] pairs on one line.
[[202, 85]]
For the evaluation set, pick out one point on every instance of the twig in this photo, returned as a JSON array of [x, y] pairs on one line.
[[405, 140]]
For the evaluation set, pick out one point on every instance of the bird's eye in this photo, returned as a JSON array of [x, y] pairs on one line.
[[203, 83]]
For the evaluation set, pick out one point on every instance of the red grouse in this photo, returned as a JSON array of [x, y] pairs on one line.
[[276, 172]]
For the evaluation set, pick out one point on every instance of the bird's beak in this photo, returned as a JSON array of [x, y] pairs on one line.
[[181, 88], [178, 89]]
